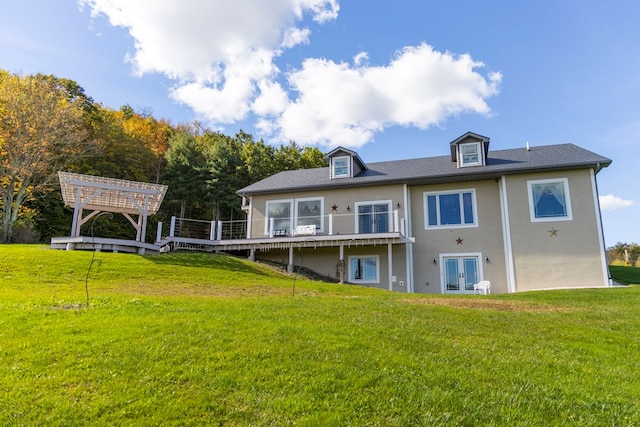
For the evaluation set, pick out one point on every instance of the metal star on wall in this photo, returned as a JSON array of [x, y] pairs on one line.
[[334, 208], [459, 241], [553, 232]]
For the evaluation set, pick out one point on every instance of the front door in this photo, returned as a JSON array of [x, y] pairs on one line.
[[460, 273]]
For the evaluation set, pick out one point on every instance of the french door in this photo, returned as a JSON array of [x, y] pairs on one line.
[[373, 218], [460, 273]]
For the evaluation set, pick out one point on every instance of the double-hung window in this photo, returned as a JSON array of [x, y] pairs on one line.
[[450, 209], [549, 200], [341, 167], [364, 269], [470, 154]]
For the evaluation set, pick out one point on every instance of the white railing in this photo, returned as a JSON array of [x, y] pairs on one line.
[[331, 224], [201, 229]]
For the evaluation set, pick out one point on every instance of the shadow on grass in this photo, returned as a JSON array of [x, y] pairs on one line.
[[207, 260]]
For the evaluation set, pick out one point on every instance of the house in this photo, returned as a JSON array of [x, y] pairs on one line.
[[522, 219]]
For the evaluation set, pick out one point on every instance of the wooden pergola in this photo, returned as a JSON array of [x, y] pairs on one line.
[[100, 194]]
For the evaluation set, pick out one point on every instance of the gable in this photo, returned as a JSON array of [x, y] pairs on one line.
[[344, 163], [471, 149]]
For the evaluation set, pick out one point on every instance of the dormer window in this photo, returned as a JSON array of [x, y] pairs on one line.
[[470, 154], [470, 150], [344, 163], [340, 167]]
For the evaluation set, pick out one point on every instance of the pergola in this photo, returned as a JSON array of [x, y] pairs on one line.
[[100, 194]]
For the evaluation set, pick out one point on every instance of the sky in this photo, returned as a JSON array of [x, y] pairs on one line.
[[390, 80]]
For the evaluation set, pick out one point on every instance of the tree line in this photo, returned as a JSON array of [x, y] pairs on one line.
[[49, 124], [624, 254]]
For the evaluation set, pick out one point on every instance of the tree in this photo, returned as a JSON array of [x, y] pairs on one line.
[[624, 253], [42, 130], [228, 173], [187, 175]]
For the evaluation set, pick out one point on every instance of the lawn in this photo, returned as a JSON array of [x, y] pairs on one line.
[[204, 339]]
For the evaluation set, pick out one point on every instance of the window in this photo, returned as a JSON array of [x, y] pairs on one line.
[[364, 269], [470, 154], [280, 212], [549, 199], [373, 217], [450, 209], [340, 167], [309, 212]]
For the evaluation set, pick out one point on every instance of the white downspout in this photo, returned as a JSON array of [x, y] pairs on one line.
[[506, 233], [408, 233], [603, 250]]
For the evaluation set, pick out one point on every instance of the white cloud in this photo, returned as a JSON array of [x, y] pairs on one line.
[[339, 104], [222, 54], [609, 202]]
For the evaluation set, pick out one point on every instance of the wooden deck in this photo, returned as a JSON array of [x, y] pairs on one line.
[[101, 244]]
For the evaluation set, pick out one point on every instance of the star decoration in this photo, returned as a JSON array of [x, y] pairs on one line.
[[334, 208], [553, 232], [459, 241]]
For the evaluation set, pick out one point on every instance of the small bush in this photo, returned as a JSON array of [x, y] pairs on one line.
[[24, 232]]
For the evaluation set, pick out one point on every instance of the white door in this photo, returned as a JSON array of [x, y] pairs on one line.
[[460, 273]]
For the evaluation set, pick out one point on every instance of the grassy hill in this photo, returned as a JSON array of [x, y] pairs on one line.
[[202, 339]]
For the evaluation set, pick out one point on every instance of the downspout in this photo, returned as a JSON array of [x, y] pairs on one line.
[[506, 233], [408, 233], [603, 247]]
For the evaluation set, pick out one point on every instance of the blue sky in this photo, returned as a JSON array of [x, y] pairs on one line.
[[391, 80]]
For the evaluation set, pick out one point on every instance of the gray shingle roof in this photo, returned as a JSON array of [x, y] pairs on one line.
[[435, 170]]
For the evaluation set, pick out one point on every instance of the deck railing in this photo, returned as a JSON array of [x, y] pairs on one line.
[[331, 224]]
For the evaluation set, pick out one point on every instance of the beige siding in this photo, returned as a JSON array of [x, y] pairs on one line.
[[485, 239], [569, 257], [343, 220]]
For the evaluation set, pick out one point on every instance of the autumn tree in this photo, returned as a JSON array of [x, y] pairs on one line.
[[42, 130]]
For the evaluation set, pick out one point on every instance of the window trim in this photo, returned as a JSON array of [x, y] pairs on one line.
[[333, 167], [567, 200], [461, 161], [460, 192], [267, 217], [320, 214], [350, 271]]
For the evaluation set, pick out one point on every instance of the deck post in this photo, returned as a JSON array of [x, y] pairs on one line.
[[290, 266], [219, 235], [390, 264], [172, 229], [212, 230], [396, 226], [330, 224], [159, 232], [341, 264]]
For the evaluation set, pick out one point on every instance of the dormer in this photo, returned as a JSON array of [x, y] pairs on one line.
[[344, 163], [470, 150]]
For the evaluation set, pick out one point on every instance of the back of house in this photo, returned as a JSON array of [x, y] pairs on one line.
[[520, 219]]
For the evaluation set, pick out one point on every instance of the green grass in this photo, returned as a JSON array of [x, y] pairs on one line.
[[201, 339], [625, 275]]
